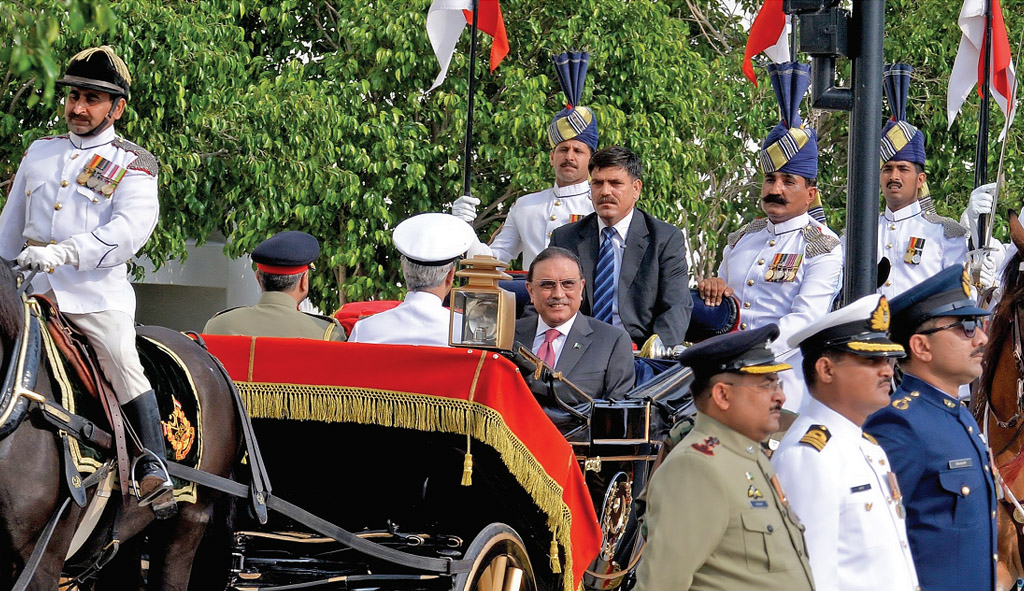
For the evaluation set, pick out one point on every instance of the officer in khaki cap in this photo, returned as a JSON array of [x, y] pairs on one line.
[[717, 517], [283, 262]]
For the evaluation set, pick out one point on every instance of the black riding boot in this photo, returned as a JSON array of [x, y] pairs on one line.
[[144, 416]]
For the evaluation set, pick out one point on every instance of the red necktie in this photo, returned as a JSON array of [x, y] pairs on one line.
[[547, 350]]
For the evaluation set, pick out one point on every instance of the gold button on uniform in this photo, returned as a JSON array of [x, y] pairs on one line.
[[888, 283], [985, 467], [760, 261], [63, 183], [743, 326], [557, 203], [970, 429], [95, 200], [73, 156], [553, 218], [746, 304], [750, 281], [887, 246], [771, 243], [892, 226], [57, 206], [965, 491]]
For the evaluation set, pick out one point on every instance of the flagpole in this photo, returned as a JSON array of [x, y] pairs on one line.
[[469, 110], [981, 155]]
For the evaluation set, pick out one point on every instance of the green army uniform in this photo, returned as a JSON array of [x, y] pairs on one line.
[[275, 316], [716, 522]]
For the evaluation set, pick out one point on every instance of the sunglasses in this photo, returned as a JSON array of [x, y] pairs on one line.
[[969, 325], [549, 284]]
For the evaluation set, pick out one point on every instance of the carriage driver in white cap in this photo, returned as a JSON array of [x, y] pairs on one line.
[[81, 205], [431, 245]]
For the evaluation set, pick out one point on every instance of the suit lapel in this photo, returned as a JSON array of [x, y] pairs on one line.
[[636, 246], [587, 249], [526, 330], [576, 344]]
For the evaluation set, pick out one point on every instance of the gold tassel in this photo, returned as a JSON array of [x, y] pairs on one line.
[[556, 565], [467, 470]]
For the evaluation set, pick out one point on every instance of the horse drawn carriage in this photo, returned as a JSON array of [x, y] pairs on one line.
[[443, 454]]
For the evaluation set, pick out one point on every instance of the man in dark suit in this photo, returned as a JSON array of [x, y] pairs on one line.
[[596, 357], [633, 263]]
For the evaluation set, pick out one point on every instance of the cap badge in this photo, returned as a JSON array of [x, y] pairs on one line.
[[880, 317]]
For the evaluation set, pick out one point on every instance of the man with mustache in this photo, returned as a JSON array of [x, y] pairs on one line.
[[937, 450], [785, 268], [917, 241], [839, 480], [81, 205], [573, 138], [595, 357], [634, 263], [717, 517]]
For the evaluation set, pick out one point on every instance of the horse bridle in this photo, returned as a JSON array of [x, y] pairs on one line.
[[1018, 360]]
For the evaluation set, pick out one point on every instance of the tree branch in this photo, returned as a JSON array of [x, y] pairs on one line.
[[21, 91]]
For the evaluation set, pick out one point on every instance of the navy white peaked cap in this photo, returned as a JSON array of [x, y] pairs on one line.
[[433, 239], [860, 328]]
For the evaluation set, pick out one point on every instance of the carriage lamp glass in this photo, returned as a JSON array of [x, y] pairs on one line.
[[483, 314]]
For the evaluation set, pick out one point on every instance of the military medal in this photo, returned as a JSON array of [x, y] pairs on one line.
[[897, 496], [89, 169], [915, 248]]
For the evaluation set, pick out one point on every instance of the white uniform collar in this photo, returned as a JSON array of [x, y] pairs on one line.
[[796, 223], [906, 212], [422, 297], [84, 143], [581, 188], [564, 328], [837, 423]]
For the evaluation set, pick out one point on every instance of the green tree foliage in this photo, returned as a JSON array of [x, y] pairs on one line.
[[312, 115]]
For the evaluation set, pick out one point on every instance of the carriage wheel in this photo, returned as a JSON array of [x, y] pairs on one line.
[[500, 562]]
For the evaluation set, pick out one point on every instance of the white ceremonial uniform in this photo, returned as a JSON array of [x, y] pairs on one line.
[[47, 205], [533, 217], [419, 320], [855, 530], [918, 244], [785, 274], [108, 224]]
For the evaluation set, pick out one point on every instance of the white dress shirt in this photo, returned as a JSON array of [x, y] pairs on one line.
[[618, 245], [48, 205], [532, 218], [559, 342], [419, 320], [855, 527], [811, 282], [935, 251]]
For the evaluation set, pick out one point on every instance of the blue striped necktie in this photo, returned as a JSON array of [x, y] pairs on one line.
[[604, 283]]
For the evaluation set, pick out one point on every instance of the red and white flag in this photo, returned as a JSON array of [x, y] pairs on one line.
[[447, 18], [767, 34], [969, 66]]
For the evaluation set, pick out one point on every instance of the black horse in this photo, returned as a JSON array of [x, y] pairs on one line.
[[32, 480]]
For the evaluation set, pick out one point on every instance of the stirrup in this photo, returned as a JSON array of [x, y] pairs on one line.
[[165, 486]]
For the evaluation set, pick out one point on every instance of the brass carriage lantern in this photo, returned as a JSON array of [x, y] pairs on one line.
[[483, 314]]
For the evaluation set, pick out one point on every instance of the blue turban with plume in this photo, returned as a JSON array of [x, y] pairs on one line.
[[574, 122], [900, 140], [790, 147]]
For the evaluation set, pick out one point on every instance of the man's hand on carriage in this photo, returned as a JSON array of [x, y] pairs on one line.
[[713, 289], [47, 258]]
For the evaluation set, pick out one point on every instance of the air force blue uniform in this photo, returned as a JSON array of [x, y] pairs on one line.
[[940, 457]]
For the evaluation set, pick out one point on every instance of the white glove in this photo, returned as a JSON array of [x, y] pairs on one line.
[[985, 262], [987, 274], [478, 248], [464, 208], [47, 258], [981, 200]]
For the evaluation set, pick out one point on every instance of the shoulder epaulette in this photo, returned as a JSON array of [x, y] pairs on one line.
[[817, 436], [332, 324], [749, 228], [226, 310], [144, 161], [818, 242], [870, 438], [950, 227]]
